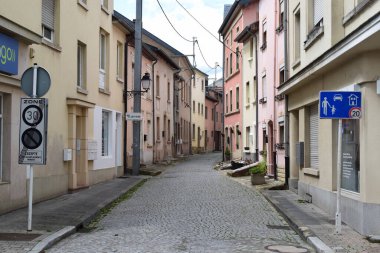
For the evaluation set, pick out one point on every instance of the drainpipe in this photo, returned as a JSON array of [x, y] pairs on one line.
[[274, 127], [286, 72], [257, 98], [125, 158], [154, 114], [224, 113], [215, 121], [175, 91]]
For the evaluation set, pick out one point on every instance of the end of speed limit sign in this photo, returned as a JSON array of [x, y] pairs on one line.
[[33, 128]]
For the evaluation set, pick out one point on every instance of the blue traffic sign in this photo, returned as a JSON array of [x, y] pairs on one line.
[[340, 104]]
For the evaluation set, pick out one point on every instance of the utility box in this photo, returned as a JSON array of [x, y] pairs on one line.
[[67, 154]]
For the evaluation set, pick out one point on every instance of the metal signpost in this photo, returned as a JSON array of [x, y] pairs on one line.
[[35, 82], [339, 105]]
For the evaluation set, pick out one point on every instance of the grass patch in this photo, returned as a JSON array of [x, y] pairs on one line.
[[107, 209]]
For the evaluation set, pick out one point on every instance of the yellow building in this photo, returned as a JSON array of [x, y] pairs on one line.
[[334, 45], [198, 110], [83, 51]]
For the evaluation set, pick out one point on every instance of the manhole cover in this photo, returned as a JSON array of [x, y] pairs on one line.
[[18, 237], [286, 249]]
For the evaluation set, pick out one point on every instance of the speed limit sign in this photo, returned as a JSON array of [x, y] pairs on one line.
[[33, 127]]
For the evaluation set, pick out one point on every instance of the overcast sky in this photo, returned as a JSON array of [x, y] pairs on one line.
[[208, 12]]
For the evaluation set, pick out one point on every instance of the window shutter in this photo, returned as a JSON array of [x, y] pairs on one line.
[[48, 7], [313, 136], [318, 11]]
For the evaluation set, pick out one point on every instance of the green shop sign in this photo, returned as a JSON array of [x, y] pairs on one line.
[[8, 55]]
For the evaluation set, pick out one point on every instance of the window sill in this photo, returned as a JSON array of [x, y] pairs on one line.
[[313, 36], [120, 80], [356, 11], [104, 91], [82, 90], [3, 183], [232, 113], [51, 45], [311, 172], [105, 10], [232, 75], [296, 63], [158, 97], [83, 5]]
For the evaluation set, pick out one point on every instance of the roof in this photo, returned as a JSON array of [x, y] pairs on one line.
[[228, 16], [247, 32], [162, 54], [197, 69]]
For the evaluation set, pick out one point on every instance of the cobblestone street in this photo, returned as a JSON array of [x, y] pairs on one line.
[[189, 208]]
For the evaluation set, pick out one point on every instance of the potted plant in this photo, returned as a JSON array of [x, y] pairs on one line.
[[258, 173], [227, 153]]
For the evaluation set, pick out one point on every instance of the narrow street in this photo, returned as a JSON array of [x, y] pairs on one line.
[[189, 208]]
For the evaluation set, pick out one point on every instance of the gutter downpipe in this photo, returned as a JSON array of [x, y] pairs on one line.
[[224, 113], [215, 120], [286, 77], [125, 158], [274, 127], [257, 99], [154, 114], [175, 105]]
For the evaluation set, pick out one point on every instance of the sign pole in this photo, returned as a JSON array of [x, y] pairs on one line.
[[31, 177], [338, 215]]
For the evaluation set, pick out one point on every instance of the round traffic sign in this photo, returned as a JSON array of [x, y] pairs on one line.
[[43, 82], [32, 115], [355, 113], [31, 138]]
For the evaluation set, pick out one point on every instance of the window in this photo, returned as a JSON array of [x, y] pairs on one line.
[[281, 16], [281, 138], [251, 48], [237, 137], [103, 38], [193, 106], [202, 109], [158, 128], [199, 108], [227, 66], [297, 36], [213, 114], [203, 84], [247, 136], [193, 131], [317, 11], [313, 136], [226, 103], [351, 155], [230, 63], [206, 112], [247, 93], [264, 36], [216, 116], [48, 19], [231, 100], [81, 65], [106, 133], [104, 3], [206, 136], [168, 92], [264, 86], [157, 86], [282, 75], [120, 60], [237, 58], [237, 98]]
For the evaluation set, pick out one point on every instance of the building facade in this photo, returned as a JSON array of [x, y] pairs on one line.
[[198, 91], [333, 45], [213, 119]]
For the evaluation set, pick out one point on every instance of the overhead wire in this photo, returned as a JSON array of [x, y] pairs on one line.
[[172, 24], [224, 44], [202, 54]]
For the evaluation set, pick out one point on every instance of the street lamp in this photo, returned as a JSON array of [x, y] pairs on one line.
[[145, 84]]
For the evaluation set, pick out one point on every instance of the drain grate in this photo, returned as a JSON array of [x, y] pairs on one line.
[[278, 227], [18, 237]]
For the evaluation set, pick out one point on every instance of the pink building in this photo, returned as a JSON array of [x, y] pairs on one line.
[[231, 27], [213, 119], [270, 75]]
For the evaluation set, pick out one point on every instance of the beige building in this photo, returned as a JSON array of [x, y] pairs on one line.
[[83, 51], [198, 112], [334, 45]]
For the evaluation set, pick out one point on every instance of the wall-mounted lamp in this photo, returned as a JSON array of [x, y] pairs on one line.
[[145, 85]]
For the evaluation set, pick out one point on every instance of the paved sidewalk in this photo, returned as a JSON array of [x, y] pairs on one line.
[[59, 217], [313, 224]]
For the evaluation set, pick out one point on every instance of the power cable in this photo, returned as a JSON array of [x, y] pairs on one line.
[[183, 7], [202, 54], [171, 23]]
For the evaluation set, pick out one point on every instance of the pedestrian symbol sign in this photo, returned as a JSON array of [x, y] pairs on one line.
[[340, 104]]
